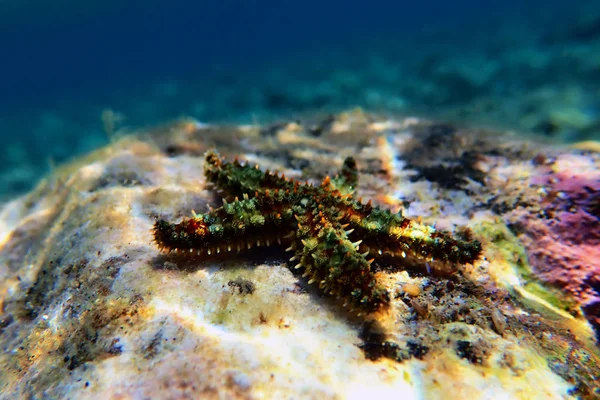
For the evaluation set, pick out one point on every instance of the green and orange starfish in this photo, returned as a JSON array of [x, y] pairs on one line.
[[335, 237]]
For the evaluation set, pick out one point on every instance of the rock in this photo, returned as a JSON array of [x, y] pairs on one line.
[[92, 309]]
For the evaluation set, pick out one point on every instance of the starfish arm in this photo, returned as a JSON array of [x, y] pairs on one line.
[[424, 242], [332, 261], [399, 237], [241, 224], [347, 180], [237, 179], [392, 235]]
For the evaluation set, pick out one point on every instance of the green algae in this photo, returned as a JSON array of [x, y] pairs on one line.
[[554, 296], [506, 246]]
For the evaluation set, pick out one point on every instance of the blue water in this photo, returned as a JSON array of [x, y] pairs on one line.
[[87, 52], [498, 63]]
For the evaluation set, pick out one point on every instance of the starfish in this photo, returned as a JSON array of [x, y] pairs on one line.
[[335, 237]]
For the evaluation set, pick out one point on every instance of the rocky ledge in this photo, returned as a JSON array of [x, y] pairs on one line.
[[92, 307]]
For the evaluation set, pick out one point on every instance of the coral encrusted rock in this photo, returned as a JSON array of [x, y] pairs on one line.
[[397, 258]]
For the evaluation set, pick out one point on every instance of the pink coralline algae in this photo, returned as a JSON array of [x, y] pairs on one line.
[[563, 239]]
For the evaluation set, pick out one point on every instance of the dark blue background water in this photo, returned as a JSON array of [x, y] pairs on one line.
[[62, 63], [90, 51]]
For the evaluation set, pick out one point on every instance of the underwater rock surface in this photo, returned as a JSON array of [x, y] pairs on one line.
[[92, 308]]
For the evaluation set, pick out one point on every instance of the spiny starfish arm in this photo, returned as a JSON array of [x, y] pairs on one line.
[[347, 180], [237, 179], [420, 242], [392, 235], [238, 225], [332, 261]]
